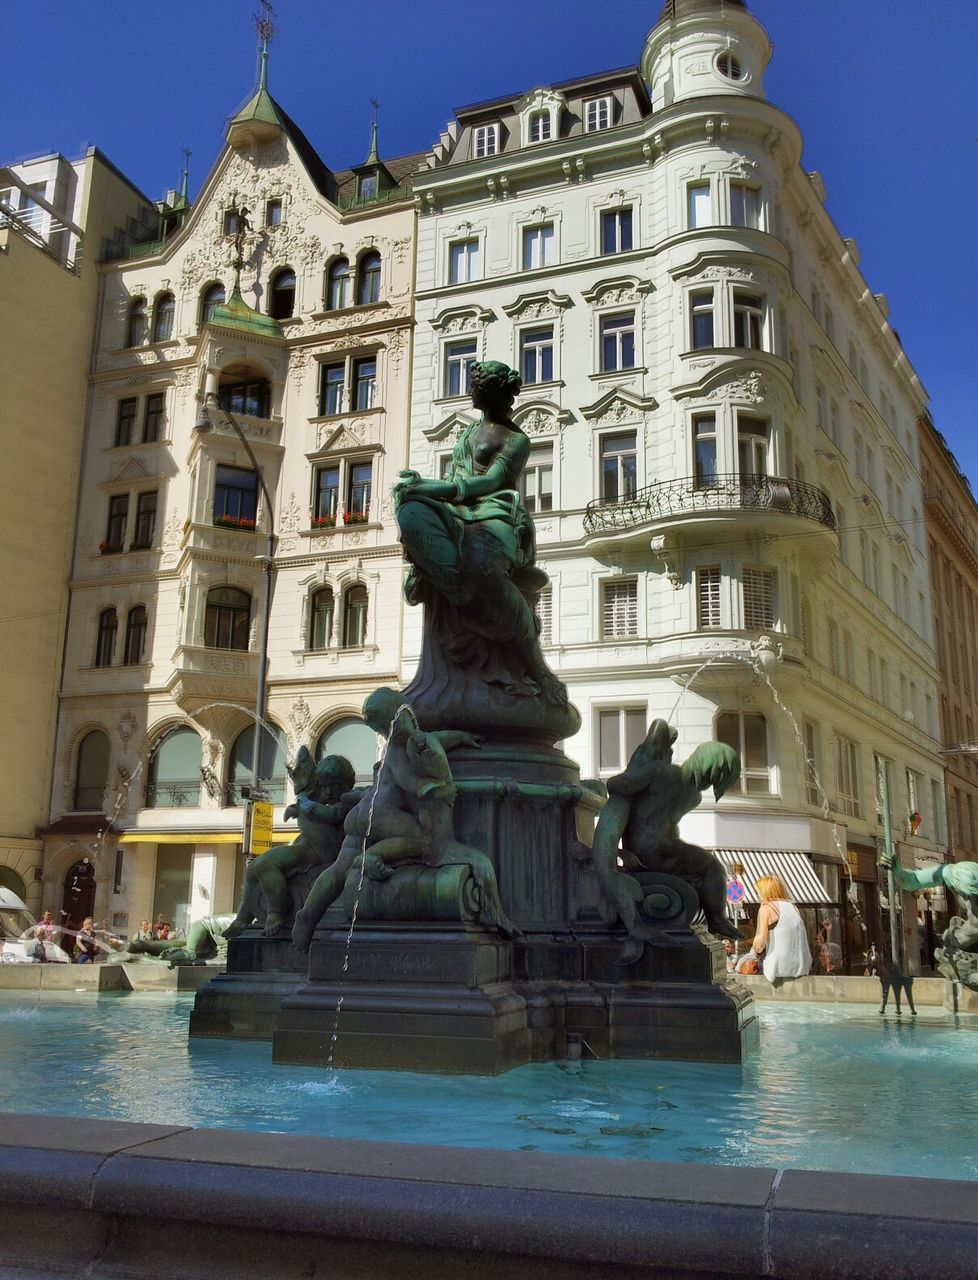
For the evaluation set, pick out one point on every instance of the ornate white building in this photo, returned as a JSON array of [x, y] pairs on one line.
[[311, 359], [724, 471]]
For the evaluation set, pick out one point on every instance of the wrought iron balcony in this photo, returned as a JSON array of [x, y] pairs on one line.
[[670, 499]]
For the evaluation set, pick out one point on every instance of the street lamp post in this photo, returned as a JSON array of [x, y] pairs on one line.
[[203, 424]]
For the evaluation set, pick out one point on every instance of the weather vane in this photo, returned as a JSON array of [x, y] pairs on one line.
[[264, 24]]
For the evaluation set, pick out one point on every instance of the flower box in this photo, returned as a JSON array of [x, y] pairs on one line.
[[355, 517], [324, 522], [235, 522]]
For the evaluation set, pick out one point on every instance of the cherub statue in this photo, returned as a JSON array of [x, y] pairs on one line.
[[644, 806], [406, 816], [324, 796]]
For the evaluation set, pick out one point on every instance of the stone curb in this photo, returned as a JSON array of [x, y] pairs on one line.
[[523, 1210]]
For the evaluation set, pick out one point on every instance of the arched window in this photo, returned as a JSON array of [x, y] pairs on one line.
[[271, 764], [355, 617], [338, 285], [108, 625], [91, 771], [227, 619], [746, 732], [136, 330], [321, 618], [135, 635], [163, 314], [368, 279], [173, 774], [354, 740], [540, 126], [210, 300], [282, 300]]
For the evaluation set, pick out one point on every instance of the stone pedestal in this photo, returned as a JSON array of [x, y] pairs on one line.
[[243, 1002]]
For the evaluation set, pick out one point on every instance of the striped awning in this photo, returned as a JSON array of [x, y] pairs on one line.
[[793, 869]]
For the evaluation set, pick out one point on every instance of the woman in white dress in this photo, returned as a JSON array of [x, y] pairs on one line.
[[781, 936]]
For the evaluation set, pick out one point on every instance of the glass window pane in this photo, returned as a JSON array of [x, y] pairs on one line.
[[634, 730], [755, 742], [609, 749]]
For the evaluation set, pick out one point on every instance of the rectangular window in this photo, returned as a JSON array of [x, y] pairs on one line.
[[616, 231], [537, 481], [485, 140], [327, 492], [758, 599], [708, 597], [744, 205], [540, 127], [618, 467], [145, 527], [125, 421], [359, 477], [364, 383], [811, 764], [746, 732], [821, 416], [248, 398], [701, 319], [367, 186], [619, 609], [230, 222], [913, 799], [621, 731], [537, 355], [236, 496], [597, 114], [464, 261], [331, 383], [699, 205], [847, 777], [748, 320], [538, 246], [153, 417], [618, 342], [545, 614], [937, 809], [115, 528], [705, 450], [459, 359], [273, 213], [752, 447]]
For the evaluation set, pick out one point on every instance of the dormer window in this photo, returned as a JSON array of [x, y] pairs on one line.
[[597, 114], [485, 140], [540, 127], [368, 186]]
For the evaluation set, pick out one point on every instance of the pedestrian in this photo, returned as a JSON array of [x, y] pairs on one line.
[[86, 944], [780, 937]]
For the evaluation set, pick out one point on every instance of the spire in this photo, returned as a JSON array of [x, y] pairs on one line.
[[373, 156], [259, 119], [185, 177]]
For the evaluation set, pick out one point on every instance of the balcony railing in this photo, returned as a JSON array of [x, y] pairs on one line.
[[178, 793], [728, 492]]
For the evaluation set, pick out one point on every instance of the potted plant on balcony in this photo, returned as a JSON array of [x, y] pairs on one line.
[[235, 522], [324, 522], [355, 517]]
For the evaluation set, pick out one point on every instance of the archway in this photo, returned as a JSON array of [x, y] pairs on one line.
[[9, 879]]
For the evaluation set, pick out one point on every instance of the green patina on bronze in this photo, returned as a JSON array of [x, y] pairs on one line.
[[639, 826], [957, 956]]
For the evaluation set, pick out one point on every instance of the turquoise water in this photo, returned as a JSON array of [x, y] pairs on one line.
[[833, 1087]]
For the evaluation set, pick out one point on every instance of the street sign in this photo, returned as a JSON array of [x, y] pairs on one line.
[[735, 891], [261, 826]]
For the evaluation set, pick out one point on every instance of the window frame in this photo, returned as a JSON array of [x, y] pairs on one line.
[[605, 454], [337, 294], [748, 311], [107, 631], [740, 208], [117, 521], [369, 266], [137, 323], [452, 357], [621, 222], [759, 598], [134, 651], [764, 774], [702, 309], [472, 247], [122, 417], [540, 468], [164, 316], [594, 109], [154, 417], [629, 738], [355, 615], [701, 478], [535, 346], [709, 598], [543, 234], [618, 327], [485, 140], [846, 754], [144, 522], [250, 515], [318, 637], [209, 301], [693, 189], [282, 299], [236, 616]]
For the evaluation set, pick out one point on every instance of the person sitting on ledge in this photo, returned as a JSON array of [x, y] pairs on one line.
[[781, 936]]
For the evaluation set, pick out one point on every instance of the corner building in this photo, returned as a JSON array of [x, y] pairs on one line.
[[724, 471], [308, 352]]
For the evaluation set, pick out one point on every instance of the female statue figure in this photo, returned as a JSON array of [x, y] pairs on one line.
[[470, 543]]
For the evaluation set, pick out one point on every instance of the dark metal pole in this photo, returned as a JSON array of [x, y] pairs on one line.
[[896, 950]]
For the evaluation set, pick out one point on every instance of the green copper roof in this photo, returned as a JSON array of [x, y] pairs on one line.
[[261, 108], [236, 314]]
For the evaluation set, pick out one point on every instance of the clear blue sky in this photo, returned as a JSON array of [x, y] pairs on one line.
[[885, 93]]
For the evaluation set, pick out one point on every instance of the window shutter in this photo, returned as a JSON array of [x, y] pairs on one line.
[[758, 599], [545, 608], [708, 597], [619, 614]]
